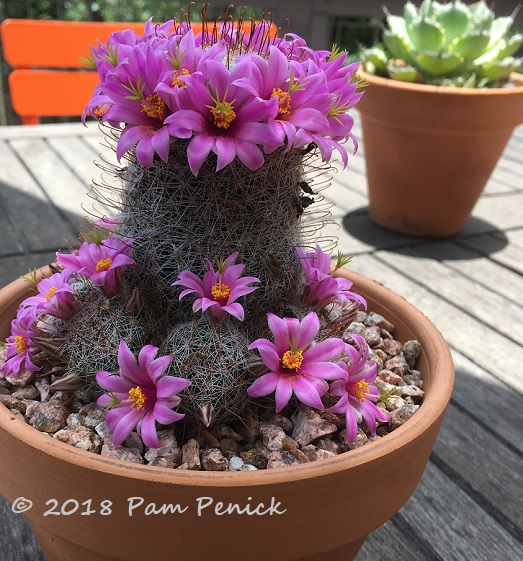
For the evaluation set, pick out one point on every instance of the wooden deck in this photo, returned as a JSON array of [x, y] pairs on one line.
[[469, 505]]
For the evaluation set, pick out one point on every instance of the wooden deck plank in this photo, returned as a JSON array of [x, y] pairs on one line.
[[455, 324], [484, 398], [16, 538], [10, 243], [46, 131], [35, 220], [516, 237], [472, 264], [62, 186], [14, 266], [389, 543], [510, 256], [491, 308], [504, 211], [456, 526], [82, 159], [467, 507], [484, 462]]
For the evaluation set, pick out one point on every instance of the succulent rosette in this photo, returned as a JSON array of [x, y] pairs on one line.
[[238, 94]]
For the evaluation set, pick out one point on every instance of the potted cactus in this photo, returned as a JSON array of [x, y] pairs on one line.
[[198, 310], [443, 99]]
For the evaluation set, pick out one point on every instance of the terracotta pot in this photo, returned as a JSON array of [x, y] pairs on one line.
[[430, 150], [327, 507]]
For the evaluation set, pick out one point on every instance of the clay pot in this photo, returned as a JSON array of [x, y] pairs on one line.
[[321, 511], [430, 150]]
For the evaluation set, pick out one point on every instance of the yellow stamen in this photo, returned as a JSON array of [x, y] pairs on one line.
[[137, 395], [284, 101], [360, 390], [21, 344], [221, 292], [222, 112], [103, 265], [155, 107], [292, 360], [51, 292], [177, 81]]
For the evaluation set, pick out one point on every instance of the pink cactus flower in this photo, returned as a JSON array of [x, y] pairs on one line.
[[321, 287], [297, 365], [21, 349], [55, 296], [107, 223], [357, 393], [218, 291], [223, 118], [103, 264], [238, 95], [140, 395]]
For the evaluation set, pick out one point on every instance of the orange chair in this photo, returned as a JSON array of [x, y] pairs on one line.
[[48, 77], [39, 51]]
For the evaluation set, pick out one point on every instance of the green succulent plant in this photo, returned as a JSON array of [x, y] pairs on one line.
[[453, 44]]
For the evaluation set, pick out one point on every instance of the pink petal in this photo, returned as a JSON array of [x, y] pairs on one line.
[[158, 367], [170, 385], [236, 310], [147, 430], [307, 393], [264, 385], [123, 422], [226, 151], [270, 357], [280, 330], [146, 356], [351, 424], [341, 406], [166, 416], [309, 327], [113, 382], [329, 349], [249, 154], [324, 370], [283, 393], [198, 150], [128, 367]]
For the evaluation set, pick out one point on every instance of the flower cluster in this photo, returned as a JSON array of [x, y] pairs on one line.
[[297, 363], [357, 393], [101, 263], [236, 93], [20, 347]]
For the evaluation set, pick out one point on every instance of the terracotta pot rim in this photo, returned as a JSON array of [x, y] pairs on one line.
[[515, 78], [431, 409]]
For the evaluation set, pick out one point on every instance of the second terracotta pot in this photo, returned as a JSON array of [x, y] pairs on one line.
[[91, 508], [430, 150]]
